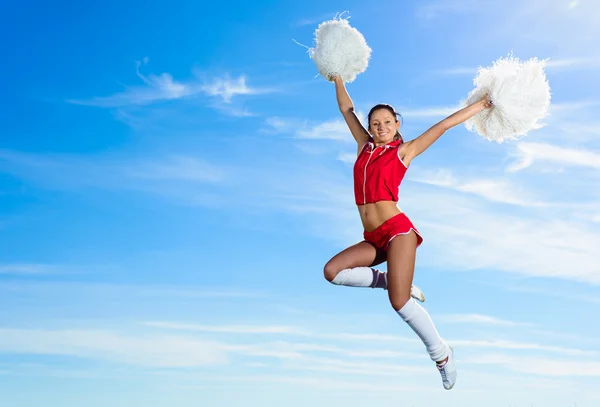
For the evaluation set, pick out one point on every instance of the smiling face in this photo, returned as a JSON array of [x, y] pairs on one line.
[[383, 125]]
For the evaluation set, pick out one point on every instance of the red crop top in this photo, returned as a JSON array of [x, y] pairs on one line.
[[378, 172]]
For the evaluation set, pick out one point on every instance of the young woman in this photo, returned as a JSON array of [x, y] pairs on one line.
[[389, 235]]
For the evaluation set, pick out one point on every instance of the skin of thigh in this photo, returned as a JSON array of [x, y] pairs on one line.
[[401, 257], [360, 254]]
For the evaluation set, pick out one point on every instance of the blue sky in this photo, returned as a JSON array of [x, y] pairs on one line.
[[174, 176]]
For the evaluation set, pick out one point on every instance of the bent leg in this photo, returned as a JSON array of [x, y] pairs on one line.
[[354, 267], [401, 263]]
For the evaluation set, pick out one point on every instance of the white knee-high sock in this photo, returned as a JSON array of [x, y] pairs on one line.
[[361, 277], [419, 320]]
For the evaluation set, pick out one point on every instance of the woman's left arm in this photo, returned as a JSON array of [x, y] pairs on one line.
[[413, 148]]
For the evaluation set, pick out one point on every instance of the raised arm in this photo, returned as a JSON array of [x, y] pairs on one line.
[[413, 148], [360, 134]]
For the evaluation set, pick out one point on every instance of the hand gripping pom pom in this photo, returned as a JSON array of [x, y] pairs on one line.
[[340, 50], [520, 95]]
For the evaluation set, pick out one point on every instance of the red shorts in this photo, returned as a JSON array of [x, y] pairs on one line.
[[396, 225]]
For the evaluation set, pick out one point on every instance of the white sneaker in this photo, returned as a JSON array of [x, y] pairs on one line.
[[448, 370], [416, 293]]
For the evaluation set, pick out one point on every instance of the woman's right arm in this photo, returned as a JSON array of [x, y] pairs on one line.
[[360, 134]]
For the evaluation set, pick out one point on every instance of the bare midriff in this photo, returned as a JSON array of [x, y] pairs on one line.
[[375, 214]]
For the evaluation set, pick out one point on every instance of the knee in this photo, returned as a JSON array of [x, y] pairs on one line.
[[398, 300], [330, 271]]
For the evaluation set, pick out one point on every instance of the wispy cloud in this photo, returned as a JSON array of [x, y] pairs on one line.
[[529, 152], [472, 71], [238, 329], [227, 88], [558, 64], [140, 350], [164, 87], [514, 345], [178, 168], [78, 291], [142, 172], [473, 236], [478, 319], [314, 20], [429, 112], [325, 382], [543, 366], [356, 368], [571, 26], [345, 338], [334, 129], [495, 190], [274, 329], [571, 106], [330, 130], [434, 9], [573, 63], [348, 158], [25, 269]]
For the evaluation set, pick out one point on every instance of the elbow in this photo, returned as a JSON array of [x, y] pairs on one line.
[[444, 126], [346, 109]]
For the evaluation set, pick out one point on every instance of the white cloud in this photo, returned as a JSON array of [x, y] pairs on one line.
[[494, 190], [292, 349], [573, 63], [177, 168], [529, 152], [356, 368], [277, 124], [566, 107], [566, 25], [591, 128], [140, 350], [164, 87], [438, 9], [467, 235], [430, 112], [327, 383], [553, 64], [237, 329], [472, 71], [227, 88], [25, 269], [543, 366], [348, 158], [330, 130], [479, 319], [155, 174], [159, 87], [513, 345], [78, 291], [315, 20]]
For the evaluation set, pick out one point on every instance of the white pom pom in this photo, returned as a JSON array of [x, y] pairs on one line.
[[340, 50], [520, 95]]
